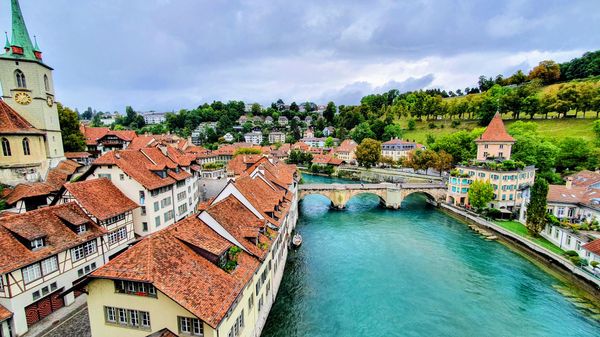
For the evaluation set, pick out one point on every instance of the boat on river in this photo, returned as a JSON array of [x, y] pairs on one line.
[[297, 240]]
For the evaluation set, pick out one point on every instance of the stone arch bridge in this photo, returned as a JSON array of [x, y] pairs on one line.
[[390, 195]]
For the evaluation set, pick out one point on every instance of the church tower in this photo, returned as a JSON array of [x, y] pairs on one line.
[[27, 86]]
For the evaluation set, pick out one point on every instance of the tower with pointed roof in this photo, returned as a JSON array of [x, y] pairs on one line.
[[495, 142], [27, 86]]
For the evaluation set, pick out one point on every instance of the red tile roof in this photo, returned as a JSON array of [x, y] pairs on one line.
[[593, 246], [172, 260], [585, 178], [242, 162], [562, 194], [347, 145], [326, 159], [138, 166], [12, 123], [48, 222], [163, 333], [4, 314], [495, 131], [77, 155], [93, 135], [101, 198]]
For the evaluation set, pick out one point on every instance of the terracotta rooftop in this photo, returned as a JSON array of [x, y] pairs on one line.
[[326, 159], [585, 178], [77, 155], [48, 222], [138, 165], [4, 314], [12, 123], [347, 145], [100, 198], [93, 135], [495, 131], [172, 261], [562, 194], [163, 333], [242, 162], [593, 246]]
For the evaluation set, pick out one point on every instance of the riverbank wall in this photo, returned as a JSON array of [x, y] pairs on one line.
[[556, 262]]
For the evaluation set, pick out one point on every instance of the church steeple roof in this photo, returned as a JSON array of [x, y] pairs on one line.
[[495, 132], [21, 46]]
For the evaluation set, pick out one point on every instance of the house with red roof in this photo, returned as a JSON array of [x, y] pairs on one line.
[[114, 213], [215, 273], [510, 180], [44, 253], [99, 140], [163, 181]]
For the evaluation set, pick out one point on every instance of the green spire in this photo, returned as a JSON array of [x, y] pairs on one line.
[[35, 47], [20, 36]]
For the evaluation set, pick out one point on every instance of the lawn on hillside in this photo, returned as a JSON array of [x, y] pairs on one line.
[[519, 229], [552, 128]]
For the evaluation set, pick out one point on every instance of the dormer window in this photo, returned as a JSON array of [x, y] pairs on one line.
[[37, 243], [81, 229]]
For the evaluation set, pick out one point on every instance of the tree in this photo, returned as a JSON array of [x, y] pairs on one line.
[[596, 128], [362, 131], [329, 112], [73, 140], [411, 124], [368, 152], [329, 142], [256, 109], [392, 131], [547, 71], [443, 162], [480, 194], [536, 211], [87, 114]]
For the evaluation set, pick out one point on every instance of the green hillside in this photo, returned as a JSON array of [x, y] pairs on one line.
[[558, 128]]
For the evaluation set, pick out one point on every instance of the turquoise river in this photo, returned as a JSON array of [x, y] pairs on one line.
[[367, 271]]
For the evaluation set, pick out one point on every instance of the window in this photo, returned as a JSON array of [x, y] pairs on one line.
[[117, 236], [143, 210], [165, 202], [168, 216], [105, 175], [20, 79], [46, 83], [37, 243], [142, 197], [115, 219], [156, 206], [250, 302], [1, 283], [26, 150], [32, 273], [83, 250], [135, 288], [49, 265], [110, 314], [122, 316], [191, 326], [87, 269], [157, 221], [182, 209], [81, 229], [144, 226], [568, 240], [6, 147], [237, 326], [121, 176], [145, 319], [181, 195]]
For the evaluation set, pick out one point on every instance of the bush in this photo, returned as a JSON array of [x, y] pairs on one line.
[[455, 124], [571, 253], [576, 260], [494, 213], [431, 125], [594, 264], [412, 124], [552, 220]]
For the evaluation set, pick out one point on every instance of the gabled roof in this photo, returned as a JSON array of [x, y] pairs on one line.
[[168, 260], [585, 178], [163, 333], [593, 246], [48, 222], [77, 155], [93, 135], [563, 194], [138, 166], [12, 123], [4, 314], [101, 198], [348, 145], [495, 132], [242, 162]]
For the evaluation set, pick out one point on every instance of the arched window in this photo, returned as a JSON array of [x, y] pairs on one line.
[[20, 77], [46, 83], [26, 149], [5, 147]]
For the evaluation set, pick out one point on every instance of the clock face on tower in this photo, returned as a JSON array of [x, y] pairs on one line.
[[22, 98], [50, 100]]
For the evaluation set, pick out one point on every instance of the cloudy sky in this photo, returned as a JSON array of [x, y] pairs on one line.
[[170, 54]]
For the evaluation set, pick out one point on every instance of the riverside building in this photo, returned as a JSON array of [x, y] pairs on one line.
[[493, 165], [212, 274]]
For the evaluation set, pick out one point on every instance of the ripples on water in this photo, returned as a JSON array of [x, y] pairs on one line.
[[366, 271]]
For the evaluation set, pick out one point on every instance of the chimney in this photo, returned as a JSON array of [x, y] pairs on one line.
[[569, 182]]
